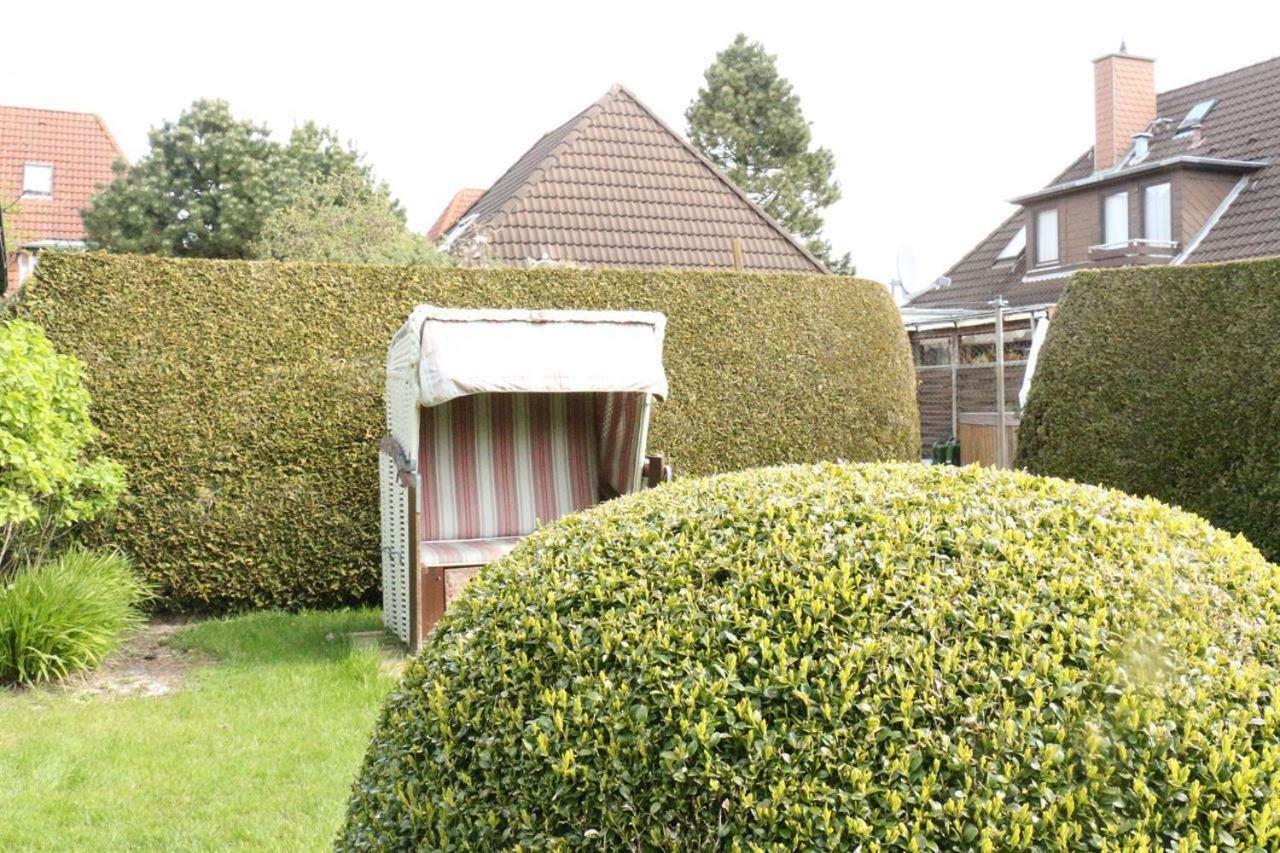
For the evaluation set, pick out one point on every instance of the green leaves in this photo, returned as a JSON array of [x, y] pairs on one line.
[[1163, 381], [246, 398], [839, 656], [832, 656], [209, 183], [47, 480]]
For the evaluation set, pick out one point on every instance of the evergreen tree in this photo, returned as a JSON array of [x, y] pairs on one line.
[[208, 184], [747, 120]]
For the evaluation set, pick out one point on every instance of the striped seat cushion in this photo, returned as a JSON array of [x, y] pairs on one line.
[[498, 465], [465, 552]]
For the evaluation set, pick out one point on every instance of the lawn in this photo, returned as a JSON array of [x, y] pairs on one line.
[[256, 749]]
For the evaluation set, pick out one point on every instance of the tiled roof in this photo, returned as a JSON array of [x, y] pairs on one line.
[[1244, 124], [458, 205], [81, 151], [615, 186]]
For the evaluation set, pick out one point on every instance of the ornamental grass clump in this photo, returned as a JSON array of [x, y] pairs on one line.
[[885, 656], [66, 615]]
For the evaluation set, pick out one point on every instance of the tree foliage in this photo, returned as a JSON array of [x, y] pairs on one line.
[[747, 119], [844, 657], [209, 183], [342, 218], [47, 482]]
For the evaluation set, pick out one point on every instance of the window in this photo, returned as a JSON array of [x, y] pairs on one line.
[[1047, 237], [1115, 219], [1196, 115], [981, 348], [1157, 214], [1014, 247], [37, 180], [932, 352]]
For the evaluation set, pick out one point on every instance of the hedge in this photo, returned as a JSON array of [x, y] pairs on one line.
[[246, 398], [1166, 382], [877, 657]]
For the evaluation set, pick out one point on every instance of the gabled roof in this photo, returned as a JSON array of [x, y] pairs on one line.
[[81, 151], [615, 186], [458, 205], [1243, 125]]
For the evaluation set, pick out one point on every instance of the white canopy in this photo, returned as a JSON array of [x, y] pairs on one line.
[[453, 352]]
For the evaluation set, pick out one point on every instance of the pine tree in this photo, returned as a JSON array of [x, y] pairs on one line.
[[747, 120]]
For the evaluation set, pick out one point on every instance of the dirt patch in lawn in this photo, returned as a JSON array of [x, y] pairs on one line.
[[146, 665]]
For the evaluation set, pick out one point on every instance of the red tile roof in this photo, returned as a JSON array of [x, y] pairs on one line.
[[81, 151], [458, 205], [616, 187]]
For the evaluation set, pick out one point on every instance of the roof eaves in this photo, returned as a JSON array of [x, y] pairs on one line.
[[1110, 176]]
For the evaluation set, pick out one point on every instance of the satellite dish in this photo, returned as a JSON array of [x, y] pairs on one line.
[[906, 281]]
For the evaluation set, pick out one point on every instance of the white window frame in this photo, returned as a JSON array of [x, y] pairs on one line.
[[1043, 259], [1115, 219], [1164, 192], [29, 169]]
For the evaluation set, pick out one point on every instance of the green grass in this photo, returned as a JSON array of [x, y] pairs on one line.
[[258, 749]]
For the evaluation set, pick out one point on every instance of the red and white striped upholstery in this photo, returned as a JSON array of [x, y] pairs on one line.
[[495, 466], [466, 552], [619, 422]]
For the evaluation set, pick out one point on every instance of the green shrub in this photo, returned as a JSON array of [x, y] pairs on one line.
[[66, 615], [1166, 382], [47, 482], [884, 656], [246, 398]]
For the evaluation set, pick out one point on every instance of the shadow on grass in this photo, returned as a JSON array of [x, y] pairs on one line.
[[275, 637]]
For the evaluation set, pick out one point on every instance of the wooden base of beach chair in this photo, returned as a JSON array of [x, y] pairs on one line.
[[438, 589]]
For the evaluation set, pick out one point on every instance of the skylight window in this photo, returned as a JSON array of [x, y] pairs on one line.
[[37, 180], [1196, 115], [1014, 247]]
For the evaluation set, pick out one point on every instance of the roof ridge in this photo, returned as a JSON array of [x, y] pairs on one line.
[[1230, 73], [723, 178], [579, 122], [49, 110]]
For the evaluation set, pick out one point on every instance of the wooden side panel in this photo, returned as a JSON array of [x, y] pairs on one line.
[[978, 437], [430, 600]]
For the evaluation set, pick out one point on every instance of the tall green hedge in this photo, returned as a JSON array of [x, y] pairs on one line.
[[245, 399], [1166, 382]]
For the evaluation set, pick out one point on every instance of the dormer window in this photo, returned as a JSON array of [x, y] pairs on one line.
[[1157, 214], [37, 180], [1115, 219], [1195, 116], [1047, 237]]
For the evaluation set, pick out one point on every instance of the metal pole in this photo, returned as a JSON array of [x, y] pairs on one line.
[[955, 387], [1002, 454]]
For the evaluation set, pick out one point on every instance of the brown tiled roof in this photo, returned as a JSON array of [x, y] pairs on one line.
[[615, 186], [1244, 124], [81, 151], [458, 205]]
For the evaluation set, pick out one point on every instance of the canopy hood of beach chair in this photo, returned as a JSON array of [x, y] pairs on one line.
[[454, 352]]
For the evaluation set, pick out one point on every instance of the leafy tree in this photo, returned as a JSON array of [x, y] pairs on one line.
[[748, 121], [208, 184], [341, 217], [47, 483]]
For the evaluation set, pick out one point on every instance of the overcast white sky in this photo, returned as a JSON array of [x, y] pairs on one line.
[[936, 113]]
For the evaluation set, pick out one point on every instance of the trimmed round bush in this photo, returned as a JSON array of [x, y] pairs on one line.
[[892, 656]]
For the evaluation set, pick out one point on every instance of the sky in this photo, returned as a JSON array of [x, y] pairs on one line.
[[936, 113]]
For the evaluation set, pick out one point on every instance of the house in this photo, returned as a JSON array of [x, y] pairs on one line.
[[615, 186], [51, 164], [1191, 175]]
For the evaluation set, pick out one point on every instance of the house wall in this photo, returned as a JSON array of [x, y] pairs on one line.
[[1194, 195]]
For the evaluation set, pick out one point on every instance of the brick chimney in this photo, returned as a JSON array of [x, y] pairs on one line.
[[1124, 92]]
